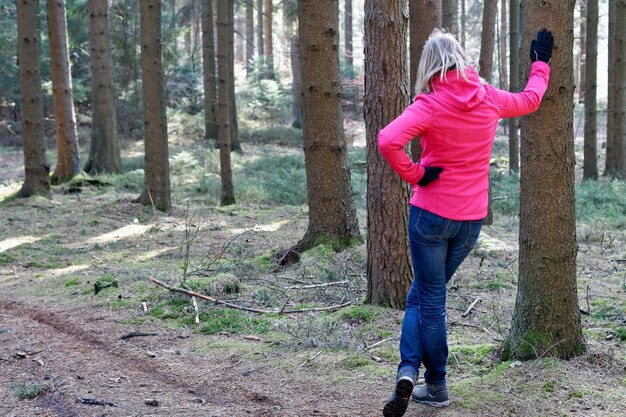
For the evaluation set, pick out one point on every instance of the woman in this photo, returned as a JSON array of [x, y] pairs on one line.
[[456, 116]]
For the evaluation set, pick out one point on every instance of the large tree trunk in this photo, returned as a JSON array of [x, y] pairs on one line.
[[609, 169], [332, 214], [104, 153], [291, 23], [424, 16], [224, 35], [389, 272], [514, 46], [590, 164], [546, 321], [619, 118], [583, 51], [504, 82], [349, 57], [232, 110], [268, 40], [36, 164], [209, 76], [487, 40], [68, 163], [450, 15], [156, 191], [249, 37]]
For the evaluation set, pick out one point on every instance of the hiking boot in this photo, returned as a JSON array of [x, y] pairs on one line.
[[399, 401], [433, 395]]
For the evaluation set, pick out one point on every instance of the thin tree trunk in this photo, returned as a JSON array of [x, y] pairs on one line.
[[487, 40], [104, 153], [463, 23], [268, 40], [349, 58], [36, 164], [514, 47], [424, 16], [389, 271], [238, 26], [232, 110], [156, 191], [68, 164], [609, 169], [210, 85], [504, 81], [249, 37], [332, 213], [583, 50], [259, 39], [590, 164], [450, 15], [224, 33], [546, 320], [291, 23], [619, 151]]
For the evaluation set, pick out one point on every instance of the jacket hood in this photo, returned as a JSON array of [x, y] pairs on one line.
[[454, 90]]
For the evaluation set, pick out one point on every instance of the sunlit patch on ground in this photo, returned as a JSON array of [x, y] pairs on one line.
[[121, 233], [270, 227], [14, 242], [55, 273]]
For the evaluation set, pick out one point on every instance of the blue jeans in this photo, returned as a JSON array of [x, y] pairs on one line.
[[438, 246]]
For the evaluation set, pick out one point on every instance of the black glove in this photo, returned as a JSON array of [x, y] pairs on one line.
[[430, 174], [541, 48]]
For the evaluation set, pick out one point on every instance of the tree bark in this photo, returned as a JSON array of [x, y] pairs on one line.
[[259, 32], [487, 40], [514, 47], [583, 51], [104, 153], [619, 119], [504, 82], [208, 60], [546, 320], [291, 30], [609, 169], [450, 15], [268, 40], [68, 164], [36, 164], [389, 271], [463, 24], [424, 16], [224, 34], [232, 110], [348, 55], [332, 213], [156, 191], [590, 164]]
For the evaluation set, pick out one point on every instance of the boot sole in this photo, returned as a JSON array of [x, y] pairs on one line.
[[433, 404], [398, 405]]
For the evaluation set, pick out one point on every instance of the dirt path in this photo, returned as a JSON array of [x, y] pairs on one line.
[[78, 353]]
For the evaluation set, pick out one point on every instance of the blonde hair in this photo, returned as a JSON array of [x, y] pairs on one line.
[[441, 52]]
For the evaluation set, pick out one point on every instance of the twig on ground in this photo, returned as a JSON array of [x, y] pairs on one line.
[[94, 401], [469, 309], [310, 359], [137, 334], [195, 309], [309, 286], [376, 344], [238, 307]]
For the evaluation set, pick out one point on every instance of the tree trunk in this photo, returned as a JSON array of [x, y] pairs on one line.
[[487, 40], [68, 163], [504, 82], [389, 271], [268, 42], [332, 214], [156, 190], [232, 110], [291, 23], [424, 16], [249, 37], [36, 164], [259, 29], [590, 164], [208, 60], [104, 153], [349, 58], [450, 15], [238, 25], [546, 320], [224, 34], [463, 23], [619, 120], [514, 46], [583, 50], [609, 169]]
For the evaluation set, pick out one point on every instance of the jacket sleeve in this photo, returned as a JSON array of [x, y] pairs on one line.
[[520, 104], [414, 121]]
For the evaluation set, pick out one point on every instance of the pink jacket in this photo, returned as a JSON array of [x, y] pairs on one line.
[[456, 123]]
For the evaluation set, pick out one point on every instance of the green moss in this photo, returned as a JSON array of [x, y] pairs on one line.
[[360, 313], [575, 394], [72, 282], [475, 354], [354, 361], [620, 333], [531, 344], [7, 258], [28, 391], [549, 386], [233, 322]]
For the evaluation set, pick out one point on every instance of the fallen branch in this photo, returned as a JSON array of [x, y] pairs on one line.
[[137, 334], [366, 348], [310, 359], [238, 307], [95, 401], [309, 286]]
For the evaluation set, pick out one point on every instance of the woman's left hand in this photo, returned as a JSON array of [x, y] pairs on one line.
[[430, 174]]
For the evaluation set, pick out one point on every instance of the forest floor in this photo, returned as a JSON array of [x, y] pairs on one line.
[[62, 345]]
